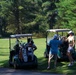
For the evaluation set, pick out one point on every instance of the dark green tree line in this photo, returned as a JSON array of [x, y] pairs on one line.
[[36, 16], [67, 14]]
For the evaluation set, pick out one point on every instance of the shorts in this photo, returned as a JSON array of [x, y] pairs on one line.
[[52, 55], [70, 49], [53, 52]]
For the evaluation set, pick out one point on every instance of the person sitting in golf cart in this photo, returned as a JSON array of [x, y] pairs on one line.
[[17, 47], [30, 47], [64, 45], [15, 50], [30, 42]]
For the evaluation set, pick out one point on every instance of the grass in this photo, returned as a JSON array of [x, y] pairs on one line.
[[42, 62]]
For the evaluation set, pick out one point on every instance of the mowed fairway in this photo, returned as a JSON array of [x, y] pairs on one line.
[[42, 62], [4, 52]]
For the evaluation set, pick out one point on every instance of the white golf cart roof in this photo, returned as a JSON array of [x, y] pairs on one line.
[[20, 35], [58, 30]]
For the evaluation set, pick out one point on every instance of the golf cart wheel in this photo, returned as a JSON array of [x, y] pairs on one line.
[[15, 65], [10, 65]]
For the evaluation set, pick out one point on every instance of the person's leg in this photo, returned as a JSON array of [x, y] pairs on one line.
[[70, 59], [55, 60], [49, 59], [12, 53], [69, 54], [32, 56]]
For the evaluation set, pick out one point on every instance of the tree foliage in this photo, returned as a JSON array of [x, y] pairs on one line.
[[67, 13], [36, 16]]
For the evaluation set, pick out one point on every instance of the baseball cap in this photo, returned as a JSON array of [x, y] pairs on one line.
[[55, 36], [70, 32]]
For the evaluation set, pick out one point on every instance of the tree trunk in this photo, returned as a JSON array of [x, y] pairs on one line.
[[16, 14]]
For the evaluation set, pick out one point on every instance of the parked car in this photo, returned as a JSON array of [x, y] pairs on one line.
[[22, 54], [60, 32]]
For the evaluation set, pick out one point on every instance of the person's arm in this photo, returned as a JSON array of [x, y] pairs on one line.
[[49, 43], [34, 47], [73, 42]]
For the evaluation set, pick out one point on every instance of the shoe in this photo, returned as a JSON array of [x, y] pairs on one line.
[[70, 64], [48, 68]]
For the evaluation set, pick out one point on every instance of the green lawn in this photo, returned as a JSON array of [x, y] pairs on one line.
[[42, 62]]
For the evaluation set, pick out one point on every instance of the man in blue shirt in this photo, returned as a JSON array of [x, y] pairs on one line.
[[54, 44]]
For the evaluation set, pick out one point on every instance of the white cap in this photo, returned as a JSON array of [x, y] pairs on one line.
[[70, 32]]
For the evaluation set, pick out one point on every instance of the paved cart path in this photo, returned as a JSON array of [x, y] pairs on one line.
[[8, 71]]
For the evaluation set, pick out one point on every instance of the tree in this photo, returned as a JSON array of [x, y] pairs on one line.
[[67, 14], [3, 23], [52, 19], [36, 16], [20, 14], [51, 12]]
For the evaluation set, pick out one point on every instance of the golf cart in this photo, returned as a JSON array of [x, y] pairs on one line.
[[21, 51], [61, 53]]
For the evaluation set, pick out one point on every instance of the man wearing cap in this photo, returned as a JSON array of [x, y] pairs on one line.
[[54, 44]]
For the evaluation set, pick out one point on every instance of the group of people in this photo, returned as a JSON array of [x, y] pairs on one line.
[[68, 44], [54, 44]]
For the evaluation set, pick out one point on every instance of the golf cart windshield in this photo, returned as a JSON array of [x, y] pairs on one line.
[[59, 32]]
